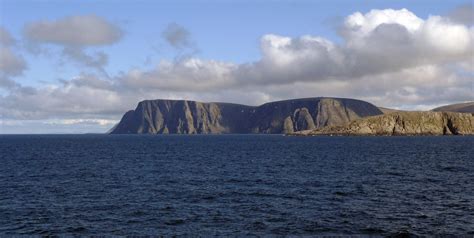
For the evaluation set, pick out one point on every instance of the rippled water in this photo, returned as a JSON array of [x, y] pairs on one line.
[[236, 185]]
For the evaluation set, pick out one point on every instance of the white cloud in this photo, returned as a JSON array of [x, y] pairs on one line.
[[101, 122], [5, 38], [184, 75], [54, 126], [11, 63], [447, 39], [79, 31], [378, 42], [359, 25], [389, 57], [72, 99], [463, 14], [73, 35], [389, 40]]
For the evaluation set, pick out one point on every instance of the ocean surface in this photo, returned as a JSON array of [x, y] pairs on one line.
[[236, 185]]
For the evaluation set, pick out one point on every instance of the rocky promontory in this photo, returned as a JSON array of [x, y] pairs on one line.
[[191, 117], [403, 123]]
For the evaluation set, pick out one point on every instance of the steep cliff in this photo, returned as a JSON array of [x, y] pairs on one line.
[[403, 123], [190, 117]]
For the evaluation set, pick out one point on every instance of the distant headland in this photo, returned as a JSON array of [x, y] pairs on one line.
[[305, 116]]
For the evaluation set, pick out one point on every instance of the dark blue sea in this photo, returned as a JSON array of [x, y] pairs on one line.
[[236, 185]]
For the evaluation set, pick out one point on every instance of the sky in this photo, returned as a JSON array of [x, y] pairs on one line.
[[78, 66]]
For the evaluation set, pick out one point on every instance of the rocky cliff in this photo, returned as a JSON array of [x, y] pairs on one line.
[[459, 107], [190, 117], [403, 123]]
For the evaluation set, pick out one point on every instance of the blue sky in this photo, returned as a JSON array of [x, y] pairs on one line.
[[236, 38], [222, 30]]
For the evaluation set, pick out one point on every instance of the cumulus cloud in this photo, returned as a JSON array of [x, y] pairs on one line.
[[378, 42], [389, 57], [463, 14], [73, 35], [390, 40], [11, 63]]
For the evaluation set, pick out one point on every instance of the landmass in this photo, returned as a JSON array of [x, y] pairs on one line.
[[303, 117], [388, 110], [459, 107], [402, 123], [191, 117]]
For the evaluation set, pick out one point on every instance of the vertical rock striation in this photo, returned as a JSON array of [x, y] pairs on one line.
[[190, 117]]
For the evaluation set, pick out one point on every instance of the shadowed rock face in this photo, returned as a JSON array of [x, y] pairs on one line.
[[403, 123], [190, 117]]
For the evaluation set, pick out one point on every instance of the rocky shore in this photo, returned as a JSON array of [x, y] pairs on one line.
[[402, 123]]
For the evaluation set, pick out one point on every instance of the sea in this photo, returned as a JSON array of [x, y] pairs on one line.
[[236, 185]]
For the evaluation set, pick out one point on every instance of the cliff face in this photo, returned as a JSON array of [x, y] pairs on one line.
[[404, 123], [190, 117], [181, 117], [460, 107]]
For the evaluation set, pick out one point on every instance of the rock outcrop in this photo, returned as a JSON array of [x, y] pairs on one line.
[[403, 123], [459, 107], [191, 117]]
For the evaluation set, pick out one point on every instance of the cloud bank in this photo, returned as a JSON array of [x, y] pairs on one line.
[[389, 57]]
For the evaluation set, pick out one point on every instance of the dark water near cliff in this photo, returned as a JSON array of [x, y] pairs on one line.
[[236, 185]]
